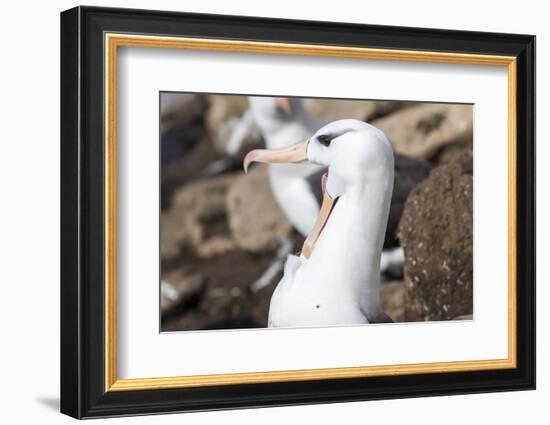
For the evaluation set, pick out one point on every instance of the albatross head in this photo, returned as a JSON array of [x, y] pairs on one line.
[[272, 112], [355, 153]]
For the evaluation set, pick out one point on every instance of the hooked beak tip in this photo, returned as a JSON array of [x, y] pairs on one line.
[[248, 159], [292, 153]]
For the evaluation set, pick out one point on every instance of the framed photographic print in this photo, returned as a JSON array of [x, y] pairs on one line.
[[261, 212]]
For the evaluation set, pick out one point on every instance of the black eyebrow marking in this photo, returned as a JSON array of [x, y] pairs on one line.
[[326, 138]]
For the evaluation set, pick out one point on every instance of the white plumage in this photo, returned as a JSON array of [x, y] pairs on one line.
[[336, 280]]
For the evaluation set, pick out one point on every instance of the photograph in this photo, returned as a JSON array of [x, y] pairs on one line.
[[261, 212], [313, 212]]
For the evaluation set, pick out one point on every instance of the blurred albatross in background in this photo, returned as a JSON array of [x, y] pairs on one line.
[[336, 279], [281, 121]]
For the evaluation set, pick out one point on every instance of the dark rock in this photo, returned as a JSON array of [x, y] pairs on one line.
[[453, 153], [181, 110], [226, 299], [436, 232], [185, 150], [409, 173], [181, 124], [185, 170]]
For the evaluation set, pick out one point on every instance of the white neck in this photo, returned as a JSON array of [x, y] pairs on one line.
[[349, 248]]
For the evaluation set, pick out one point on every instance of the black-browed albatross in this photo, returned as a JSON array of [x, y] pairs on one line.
[[297, 189], [336, 279]]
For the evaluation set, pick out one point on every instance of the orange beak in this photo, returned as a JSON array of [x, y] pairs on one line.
[[293, 153], [324, 214]]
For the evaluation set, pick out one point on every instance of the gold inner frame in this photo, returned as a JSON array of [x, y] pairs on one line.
[[113, 41]]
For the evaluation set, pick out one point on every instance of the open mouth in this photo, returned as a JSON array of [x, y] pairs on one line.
[[297, 153]]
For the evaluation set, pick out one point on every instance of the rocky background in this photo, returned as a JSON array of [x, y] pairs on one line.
[[222, 235]]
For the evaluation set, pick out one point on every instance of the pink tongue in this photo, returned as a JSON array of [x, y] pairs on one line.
[[324, 183]]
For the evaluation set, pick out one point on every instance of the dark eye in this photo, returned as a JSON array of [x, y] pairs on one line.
[[324, 139]]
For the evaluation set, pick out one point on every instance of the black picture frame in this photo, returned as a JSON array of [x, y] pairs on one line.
[[83, 392]]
